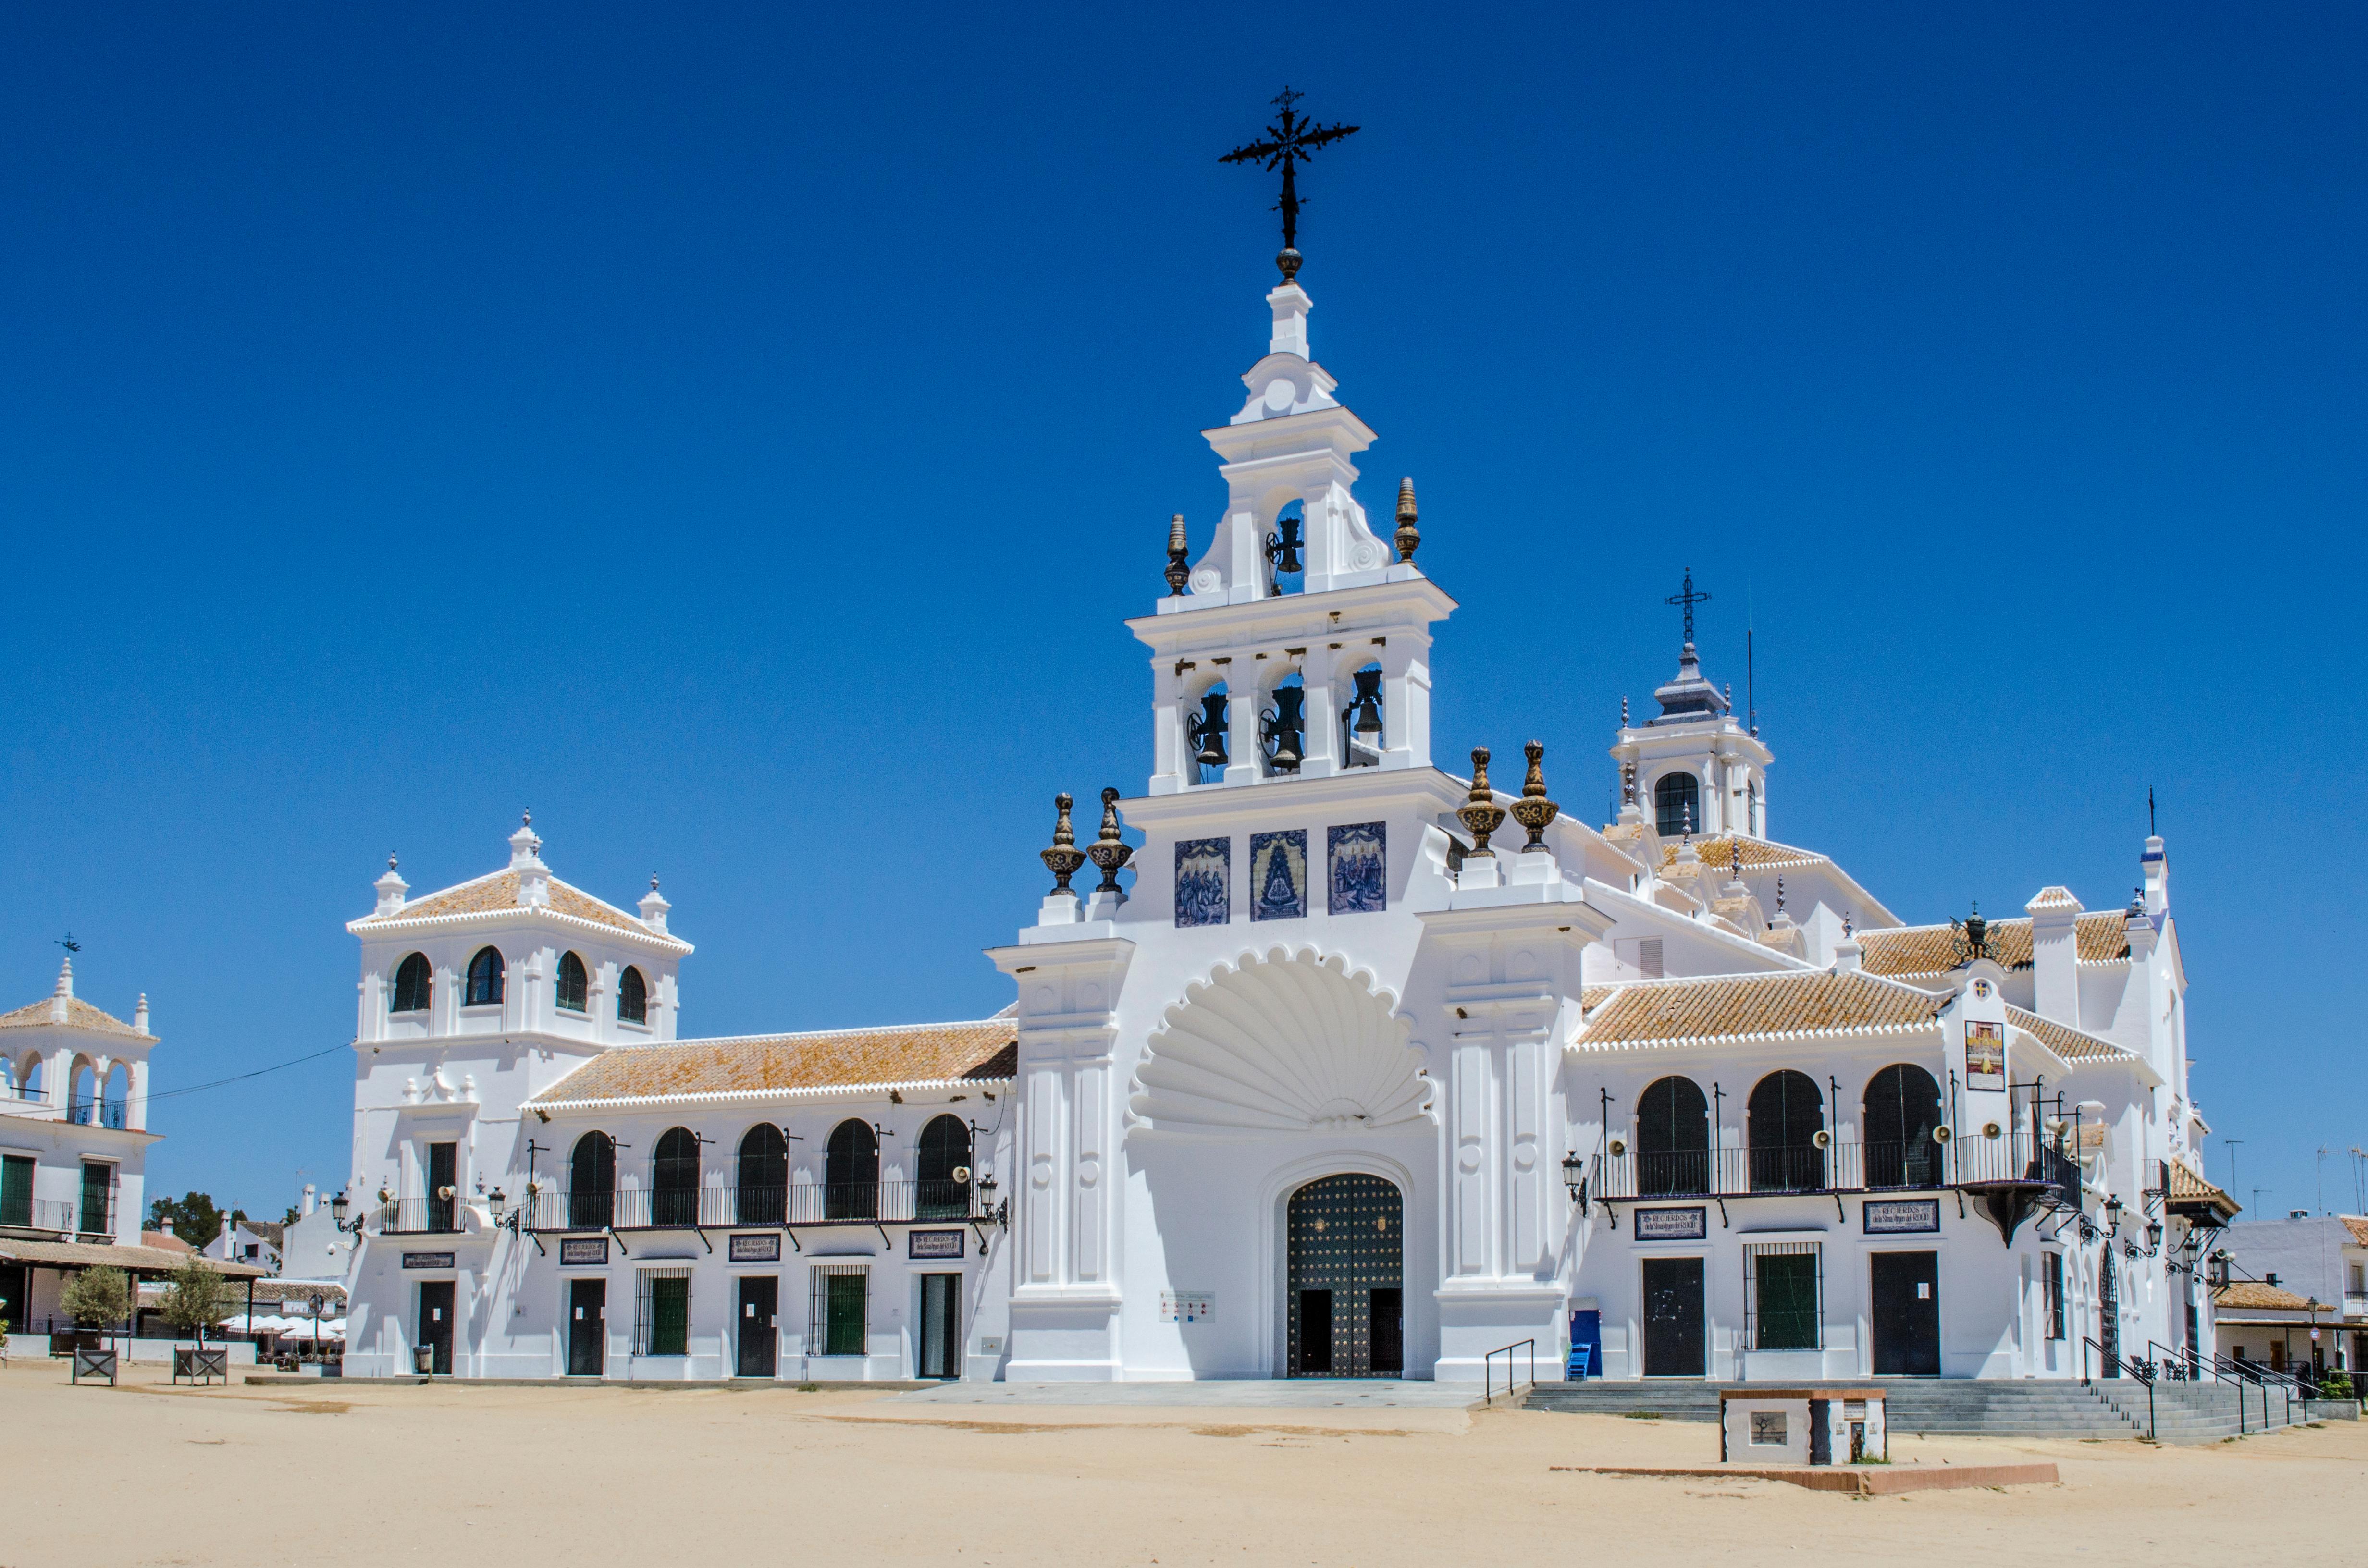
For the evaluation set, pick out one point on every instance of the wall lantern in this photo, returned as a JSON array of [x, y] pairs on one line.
[[1574, 1177]]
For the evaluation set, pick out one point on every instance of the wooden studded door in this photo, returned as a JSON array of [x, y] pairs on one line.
[[1345, 1295]]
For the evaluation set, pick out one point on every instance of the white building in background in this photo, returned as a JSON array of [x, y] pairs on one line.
[[1346, 1065], [258, 1242], [73, 1148]]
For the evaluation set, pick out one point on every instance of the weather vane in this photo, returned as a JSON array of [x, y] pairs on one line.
[[1290, 141], [69, 944]]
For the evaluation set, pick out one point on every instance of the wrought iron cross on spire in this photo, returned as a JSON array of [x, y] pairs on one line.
[[1290, 141], [1688, 599]]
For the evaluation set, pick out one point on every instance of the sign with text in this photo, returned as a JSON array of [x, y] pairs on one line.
[[763, 1248], [934, 1243], [1901, 1216], [427, 1260], [1187, 1306], [581, 1251], [1672, 1224]]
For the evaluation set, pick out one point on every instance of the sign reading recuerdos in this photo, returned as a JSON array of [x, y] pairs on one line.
[[1672, 1224], [575, 1251], [934, 1243], [427, 1260], [1901, 1216]]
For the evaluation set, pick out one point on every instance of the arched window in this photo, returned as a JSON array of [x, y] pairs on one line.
[[592, 1183], [115, 1096], [484, 978], [1757, 823], [1286, 549], [850, 1172], [1786, 1115], [1676, 804], [1207, 744], [29, 1078], [572, 984], [82, 1091], [1360, 722], [413, 983], [1903, 1107], [764, 1184], [632, 998], [1672, 1140], [945, 1149], [674, 1179], [1283, 726]]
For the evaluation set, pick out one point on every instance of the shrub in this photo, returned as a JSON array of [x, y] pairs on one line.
[[97, 1298]]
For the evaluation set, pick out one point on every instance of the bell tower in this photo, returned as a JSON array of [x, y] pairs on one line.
[[1692, 769], [1298, 645]]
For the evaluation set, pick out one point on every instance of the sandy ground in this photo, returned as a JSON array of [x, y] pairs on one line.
[[357, 1474]]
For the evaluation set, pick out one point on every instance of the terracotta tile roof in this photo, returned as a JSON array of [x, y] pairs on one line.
[[1591, 997], [2053, 897], [1932, 950], [80, 1015], [499, 891], [756, 1065], [2186, 1187], [116, 1254], [2073, 1045], [2359, 1229], [165, 1241], [1758, 852], [2252, 1293], [1657, 1012]]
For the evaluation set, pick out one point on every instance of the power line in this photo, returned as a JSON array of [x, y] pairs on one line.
[[242, 1077]]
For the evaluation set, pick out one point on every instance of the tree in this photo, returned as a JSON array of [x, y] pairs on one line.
[[291, 1217], [98, 1298], [197, 1298], [195, 1218]]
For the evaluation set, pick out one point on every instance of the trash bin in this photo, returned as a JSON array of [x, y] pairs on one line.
[[423, 1359]]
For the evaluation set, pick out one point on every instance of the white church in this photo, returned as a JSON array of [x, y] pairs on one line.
[[1323, 1059]]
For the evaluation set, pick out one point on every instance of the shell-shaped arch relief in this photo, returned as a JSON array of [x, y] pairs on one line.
[[1284, 1042]]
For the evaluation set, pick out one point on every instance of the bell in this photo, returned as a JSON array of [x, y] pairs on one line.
[[1208, 730], [1367, 704], [1283, 548], [1283, 727]]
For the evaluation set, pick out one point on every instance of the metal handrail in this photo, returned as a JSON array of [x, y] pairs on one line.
[[2141, 1371], [1488, 1368]]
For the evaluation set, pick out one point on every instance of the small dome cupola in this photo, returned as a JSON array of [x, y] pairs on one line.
[[1692, 769]]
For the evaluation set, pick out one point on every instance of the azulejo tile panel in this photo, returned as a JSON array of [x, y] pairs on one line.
[[1205, 894], [1361, 866], [1279, 875]]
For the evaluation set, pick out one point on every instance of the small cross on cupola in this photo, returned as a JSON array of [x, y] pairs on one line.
[[1691, 768]]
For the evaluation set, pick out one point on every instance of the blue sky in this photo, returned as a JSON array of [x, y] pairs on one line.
[[737, 432]]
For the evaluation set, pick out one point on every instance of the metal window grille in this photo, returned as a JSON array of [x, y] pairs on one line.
[[2054, 1276], [1783, 1295], [838, 1313], [662, 1313]]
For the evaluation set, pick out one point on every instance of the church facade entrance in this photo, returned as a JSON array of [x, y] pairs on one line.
[[1345, 1302]]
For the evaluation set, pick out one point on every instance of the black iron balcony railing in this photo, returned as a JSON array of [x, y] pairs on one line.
[[419, 1216], [722, 1208], [1885, 1166], [95, 1113]]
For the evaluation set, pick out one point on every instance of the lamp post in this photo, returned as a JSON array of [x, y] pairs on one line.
[[338, 1206], [1574, 1177]]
